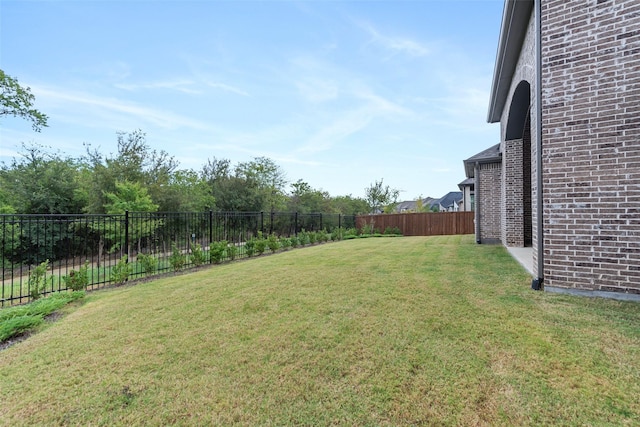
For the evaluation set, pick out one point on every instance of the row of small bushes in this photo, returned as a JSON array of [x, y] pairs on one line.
[[369, 231], [259, 244], [78, 280], [219, 251], [256, 246]]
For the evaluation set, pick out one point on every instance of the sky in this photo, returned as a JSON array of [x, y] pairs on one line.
[[339, 94]]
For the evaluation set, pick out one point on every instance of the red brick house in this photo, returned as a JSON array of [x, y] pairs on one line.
[[565, 177]]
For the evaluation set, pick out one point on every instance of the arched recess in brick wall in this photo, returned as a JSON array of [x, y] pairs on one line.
[[518, 111], [517, 167]]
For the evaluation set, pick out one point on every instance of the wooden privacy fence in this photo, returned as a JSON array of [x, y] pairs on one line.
[[421, 224]]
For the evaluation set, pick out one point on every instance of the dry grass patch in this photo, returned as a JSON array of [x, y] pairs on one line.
[[411, 331]]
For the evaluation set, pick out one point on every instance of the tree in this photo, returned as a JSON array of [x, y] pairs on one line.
[[240, 192], [186, 191], [41, 183], [216, 170], [270, 178], [420, 206], [305, 199], [135, 162], [129, 196], [17, 101], [379, 196], [349, 205], [132, 197], [9, 235]]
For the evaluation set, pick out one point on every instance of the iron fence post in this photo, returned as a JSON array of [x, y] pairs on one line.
[[210, 233], [262, 222], [126, 234], [271, 224]]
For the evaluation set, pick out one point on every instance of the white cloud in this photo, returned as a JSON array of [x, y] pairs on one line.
[[379, 104], [226, 87], [347, 123], [183, 86], [403, 45], [100, 110]]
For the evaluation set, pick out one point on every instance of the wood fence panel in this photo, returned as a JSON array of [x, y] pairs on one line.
[[421, 224]]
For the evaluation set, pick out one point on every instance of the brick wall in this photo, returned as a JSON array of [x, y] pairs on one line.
[[489, 183], [512, 227], [527, 182], [591, 143]]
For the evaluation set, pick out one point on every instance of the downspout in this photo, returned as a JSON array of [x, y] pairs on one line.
[[476, 195], [538, 284]]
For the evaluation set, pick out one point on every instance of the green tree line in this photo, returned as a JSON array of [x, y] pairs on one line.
[[140, 178]]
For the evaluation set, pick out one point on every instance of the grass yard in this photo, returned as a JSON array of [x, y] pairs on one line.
[[370, 332]]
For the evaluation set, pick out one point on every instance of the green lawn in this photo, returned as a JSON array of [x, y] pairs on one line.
[[388, 331]]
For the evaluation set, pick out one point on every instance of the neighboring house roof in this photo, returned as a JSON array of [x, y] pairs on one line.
[[490, 155], [450, 199], [515, 17], [406, 206], [411, 205]]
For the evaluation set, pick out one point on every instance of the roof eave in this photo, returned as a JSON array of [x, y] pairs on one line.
[[515, 19], [469, 165]]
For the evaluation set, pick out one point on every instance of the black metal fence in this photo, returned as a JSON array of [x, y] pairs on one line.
[[98, 242]]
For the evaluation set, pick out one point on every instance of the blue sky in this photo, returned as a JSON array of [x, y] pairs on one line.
[[338, 93]]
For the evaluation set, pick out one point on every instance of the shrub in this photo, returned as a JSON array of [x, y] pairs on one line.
[[232, 250], [17, 325], [78, 280], [293, 240], [337, 234], [15, 320], [322, 236], [313, 237], [42, 307], [303, 238], [367, 229], [273, 243], [392, 231], [350, 232], [285, 243], [38, 280], [149, 263], [121, 271], [250, 247], [177, 259], [197, 254], [260, 243], [217, 250]]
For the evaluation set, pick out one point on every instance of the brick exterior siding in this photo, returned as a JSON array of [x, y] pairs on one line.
[[489, 190], [591, 143], [512, 226]]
